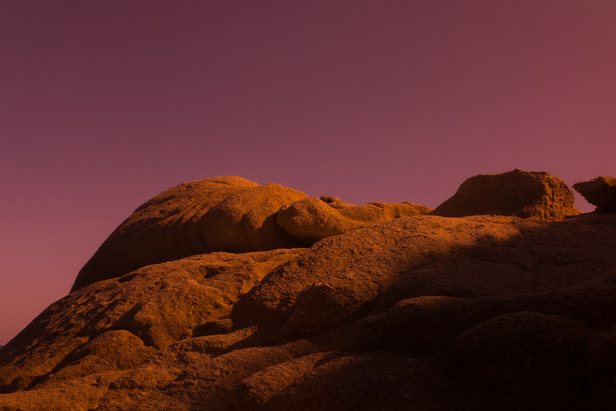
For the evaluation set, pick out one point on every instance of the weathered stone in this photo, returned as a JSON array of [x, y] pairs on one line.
[[515, 193], [158, 304], [216, 214], [600, 191], [246, 220], [479, 312], [311, 219]]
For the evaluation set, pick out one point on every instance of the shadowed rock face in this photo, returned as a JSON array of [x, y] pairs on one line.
[[396, 312], [600, 192], [515, 193]]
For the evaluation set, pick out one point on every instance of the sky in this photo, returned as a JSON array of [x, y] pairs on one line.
[[104, 104]]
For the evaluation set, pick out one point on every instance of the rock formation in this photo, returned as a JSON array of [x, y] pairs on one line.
[[311, 219], [229, 214], [392, 312], [216, 214], [600, 192], [515, 193]]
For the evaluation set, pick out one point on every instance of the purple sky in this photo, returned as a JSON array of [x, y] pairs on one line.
[[106, 103]]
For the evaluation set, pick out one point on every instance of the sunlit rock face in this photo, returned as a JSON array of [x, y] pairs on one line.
[[216, 214], [228, 214], [600, 191], [312, 219], [515, 193], [222, 294]]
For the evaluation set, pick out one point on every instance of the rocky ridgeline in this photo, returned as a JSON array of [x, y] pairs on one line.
[[222, 294]]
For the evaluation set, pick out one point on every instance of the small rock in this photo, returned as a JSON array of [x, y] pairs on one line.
[[330, 199], [600, 191]]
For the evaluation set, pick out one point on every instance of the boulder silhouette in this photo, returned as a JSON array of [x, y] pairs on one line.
[[600, 191], [515, 193], [419, 311]]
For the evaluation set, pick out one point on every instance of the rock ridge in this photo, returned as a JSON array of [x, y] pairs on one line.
[[223, 294]]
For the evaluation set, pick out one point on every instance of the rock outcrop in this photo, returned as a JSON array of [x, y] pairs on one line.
[[311, 219], [216, 214], [228, 214], [420, 311], [515, 193], [600, 191]]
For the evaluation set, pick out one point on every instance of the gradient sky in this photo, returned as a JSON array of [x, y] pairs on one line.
[[104, 104]]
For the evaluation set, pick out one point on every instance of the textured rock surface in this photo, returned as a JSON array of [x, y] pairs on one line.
[[515, 193], [600, 191], [423, 312], [216, 214], [311, 219], [157, 304]]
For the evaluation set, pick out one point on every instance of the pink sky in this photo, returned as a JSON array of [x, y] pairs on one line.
[[106, 103]]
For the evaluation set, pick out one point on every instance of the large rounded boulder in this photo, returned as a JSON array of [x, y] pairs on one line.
[[515, 193], [228, 214]]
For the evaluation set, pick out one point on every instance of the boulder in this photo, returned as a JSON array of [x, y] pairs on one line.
[[600, 191], [311, 219], [245, 221], [515, 193], [330, 199], [215, 214], [229, 214]]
